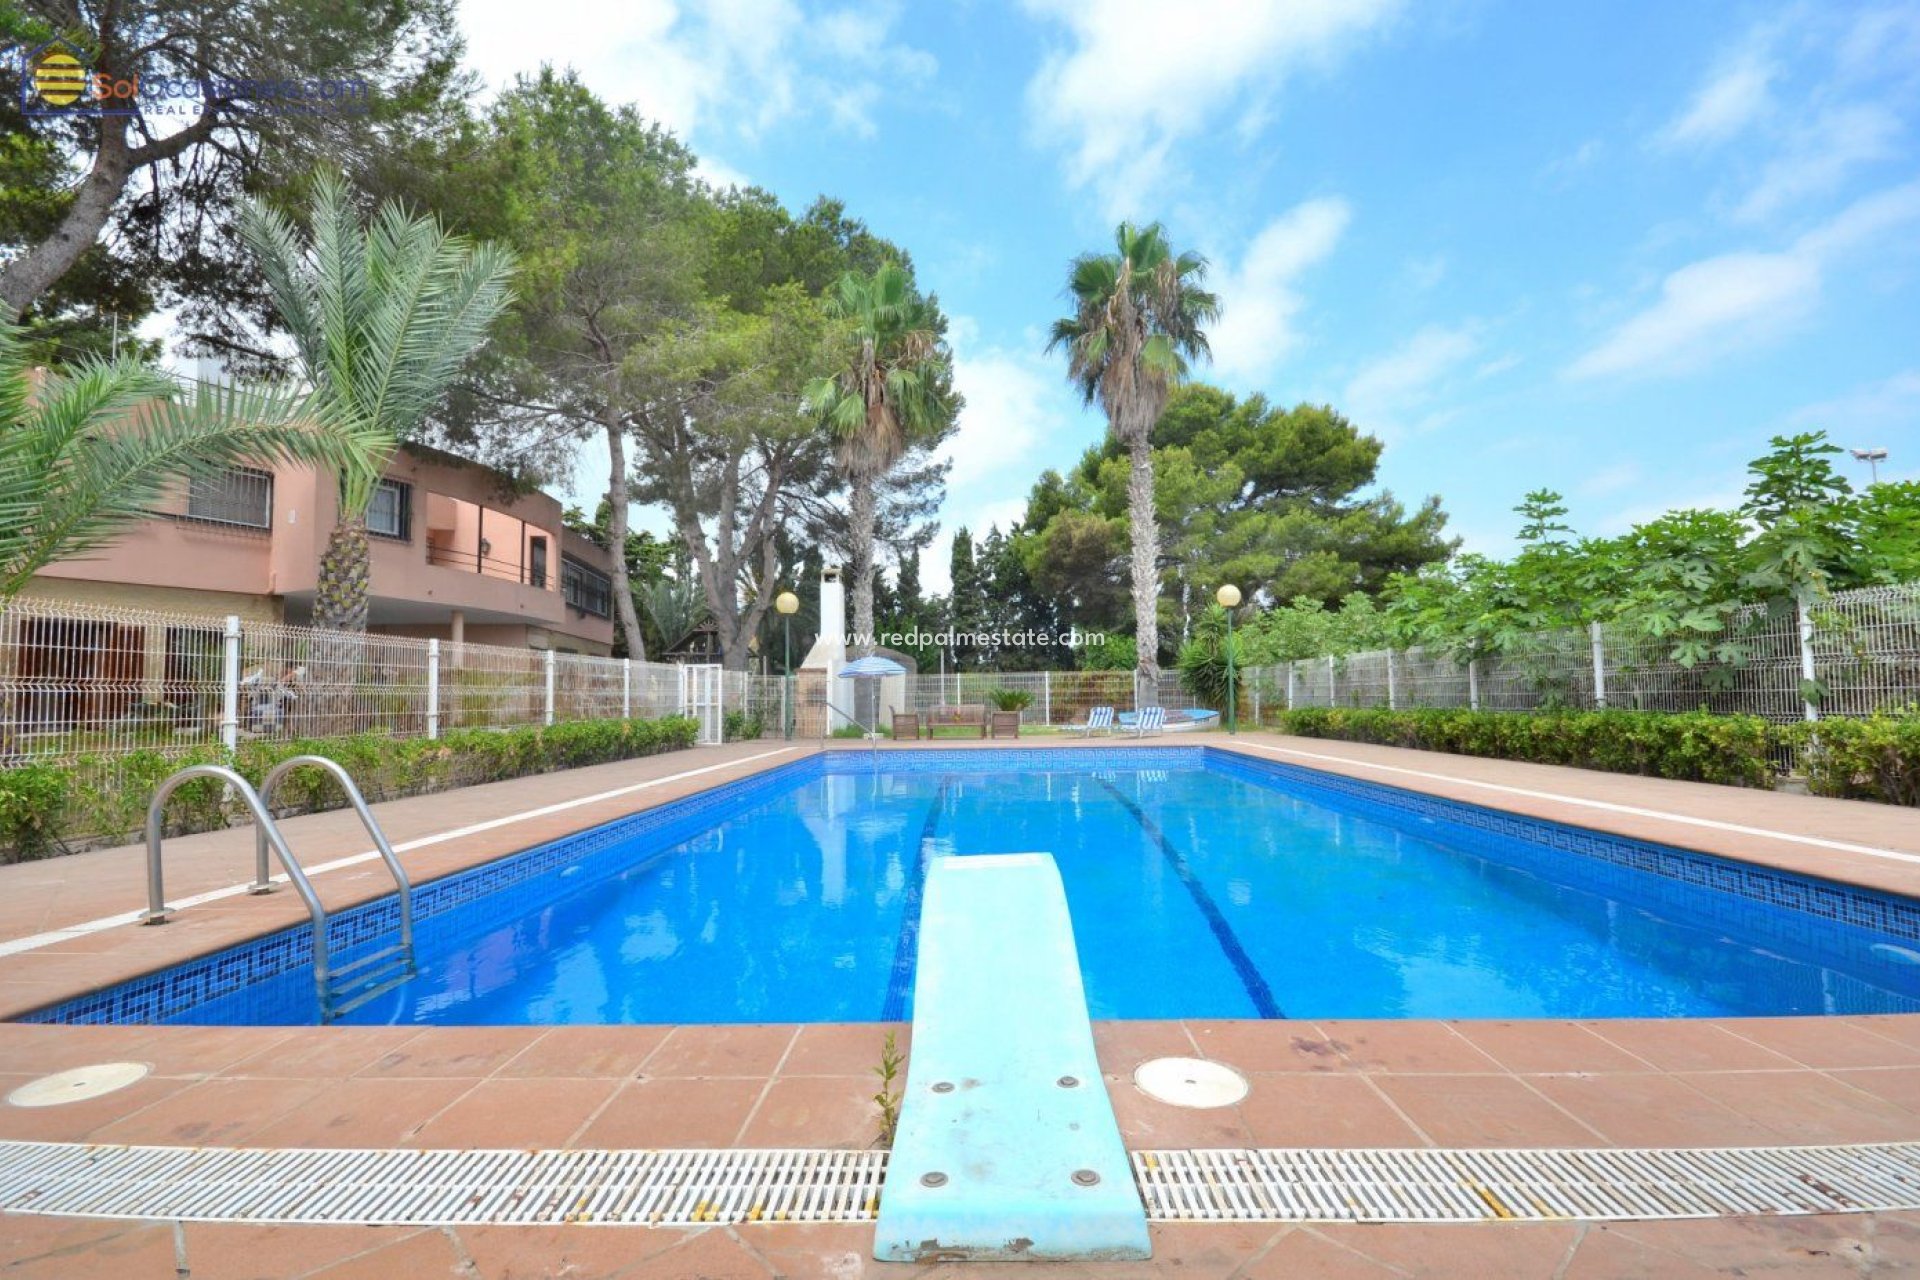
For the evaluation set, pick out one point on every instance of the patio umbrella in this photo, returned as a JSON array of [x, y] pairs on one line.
[[871, 667]]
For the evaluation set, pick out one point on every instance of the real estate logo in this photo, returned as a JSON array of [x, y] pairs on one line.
[[58, 78], [54, 75]]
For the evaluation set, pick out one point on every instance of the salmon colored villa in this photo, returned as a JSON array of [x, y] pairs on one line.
[[456, 556]]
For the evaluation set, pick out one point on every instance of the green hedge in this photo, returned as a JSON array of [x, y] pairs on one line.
[[1873, 759], [1692, 746], [43, 808]]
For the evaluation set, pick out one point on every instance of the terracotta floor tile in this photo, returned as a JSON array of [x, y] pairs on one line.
[[1530, 1046], [1409, 1047], [720, 1051], [1481, 1250], [83, 1249], [1825, 1042], [216, 1113], [1483, 1111], [242, 1251], [820, 1251], [713, 1254], [843, 1048], [1651, 1110], [1122, 1046], [1300, 1109], [75, 1120], [1200, 1250], [674, 1113], [462, 1052], [560, 1253], [1687, 1044], [1604, 1254], [1898, 1085], [363, 1113], [1806, 1107], [815, 1111], [1903, 1027], [587, 1051], [1150, 1125], [1824, 1244], [517, 1113], [1304, 1254], [327, 1053], [202, 1051], [426, 1253], [1278, 1045]]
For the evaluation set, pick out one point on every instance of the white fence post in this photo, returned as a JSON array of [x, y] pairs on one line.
[[1808, 706], [549, 686], [230, 685], [1599, 666], [433, 688], [626, 688], [1393, 693], [1473, 684], [1333, 683], [1046, 697], [1292, 671], [1256, 696]]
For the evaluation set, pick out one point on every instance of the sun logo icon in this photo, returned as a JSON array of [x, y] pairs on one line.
[[57, 75]]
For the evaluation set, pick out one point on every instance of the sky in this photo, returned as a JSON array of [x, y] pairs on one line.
[[1607, 248]]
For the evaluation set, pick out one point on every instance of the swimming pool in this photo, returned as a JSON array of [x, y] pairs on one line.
[[1202, 883]]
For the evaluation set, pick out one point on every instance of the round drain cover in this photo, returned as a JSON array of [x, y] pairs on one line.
[[77, 1085], [1190, 1082]]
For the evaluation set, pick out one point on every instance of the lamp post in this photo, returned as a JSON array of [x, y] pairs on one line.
[[787, 604], [1229, 598], [1873, 457]]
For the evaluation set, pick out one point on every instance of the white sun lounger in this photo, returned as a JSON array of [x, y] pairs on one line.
[[1099, 720], [1150, 722]]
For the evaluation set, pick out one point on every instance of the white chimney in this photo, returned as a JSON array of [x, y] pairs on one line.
[[829, 652]]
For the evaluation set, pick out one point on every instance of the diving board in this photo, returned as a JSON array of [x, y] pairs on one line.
[[1007, 1146]]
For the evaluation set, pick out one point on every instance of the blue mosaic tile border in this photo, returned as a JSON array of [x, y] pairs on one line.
[[1012, 759], [1530, 840]]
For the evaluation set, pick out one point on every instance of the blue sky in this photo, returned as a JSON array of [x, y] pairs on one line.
[[1608, 248]]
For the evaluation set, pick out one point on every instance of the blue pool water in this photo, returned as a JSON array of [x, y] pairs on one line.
[[1203, 886]]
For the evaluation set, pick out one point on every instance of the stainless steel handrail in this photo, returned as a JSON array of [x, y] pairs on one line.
[[268, 834], [359, 803]]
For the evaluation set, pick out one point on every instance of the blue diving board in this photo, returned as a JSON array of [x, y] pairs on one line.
[[1007, 1146]]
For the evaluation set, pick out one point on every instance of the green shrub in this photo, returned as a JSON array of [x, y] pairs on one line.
[[743, 727], [1009, 699], [1873, 759], [33, 807], [1692, 746], [106, 798]]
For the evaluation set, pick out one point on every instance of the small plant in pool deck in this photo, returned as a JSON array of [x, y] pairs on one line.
[[887, 1100], [1009, 699]]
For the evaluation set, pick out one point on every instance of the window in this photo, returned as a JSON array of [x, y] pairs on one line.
[[239, 495], [537, 571], [586, 588], [390, 515]]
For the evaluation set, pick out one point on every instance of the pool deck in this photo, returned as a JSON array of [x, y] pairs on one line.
[[1361, 1084]]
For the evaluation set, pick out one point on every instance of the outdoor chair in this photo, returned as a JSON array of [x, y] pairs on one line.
[[906, 724], [1150, 722], [1099, 720]]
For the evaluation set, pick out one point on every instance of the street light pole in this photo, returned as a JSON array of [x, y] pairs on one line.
[[1873, 457], [1229, 598], [788, 604]]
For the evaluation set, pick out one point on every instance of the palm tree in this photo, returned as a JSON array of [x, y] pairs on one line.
[[1139, 315], [87, 450], [891, 392], [383, 317]]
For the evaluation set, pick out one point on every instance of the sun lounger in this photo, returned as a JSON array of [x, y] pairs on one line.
[[1099, 720]]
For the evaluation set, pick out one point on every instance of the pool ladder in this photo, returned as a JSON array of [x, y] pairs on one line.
[[342, 989]]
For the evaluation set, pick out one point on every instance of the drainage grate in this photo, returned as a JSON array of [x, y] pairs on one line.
[[1232, 1185], [436, 1188], [693, 1188]]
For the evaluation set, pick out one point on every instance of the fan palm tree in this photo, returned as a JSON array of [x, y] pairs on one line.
[[891, 392], [87, 450], [383, 317], [1139, 316]]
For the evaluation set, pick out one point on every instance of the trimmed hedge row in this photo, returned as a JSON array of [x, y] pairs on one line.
[[45, 807], [1693, 746], [1877, 758]]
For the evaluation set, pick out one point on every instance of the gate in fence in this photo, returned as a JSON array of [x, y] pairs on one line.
[[703, 696]]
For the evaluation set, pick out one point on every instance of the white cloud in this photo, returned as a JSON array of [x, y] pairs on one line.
[[1013, 403], [1258, 300], [1875, 410], [1736, 301], [1820, 154], [1621, 475], [1137, 79], [737, 66], [1425, 273], [1734, 96], [1392, 395]]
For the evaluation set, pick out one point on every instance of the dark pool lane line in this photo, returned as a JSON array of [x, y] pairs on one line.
[[1257, 989], [906, 952]]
